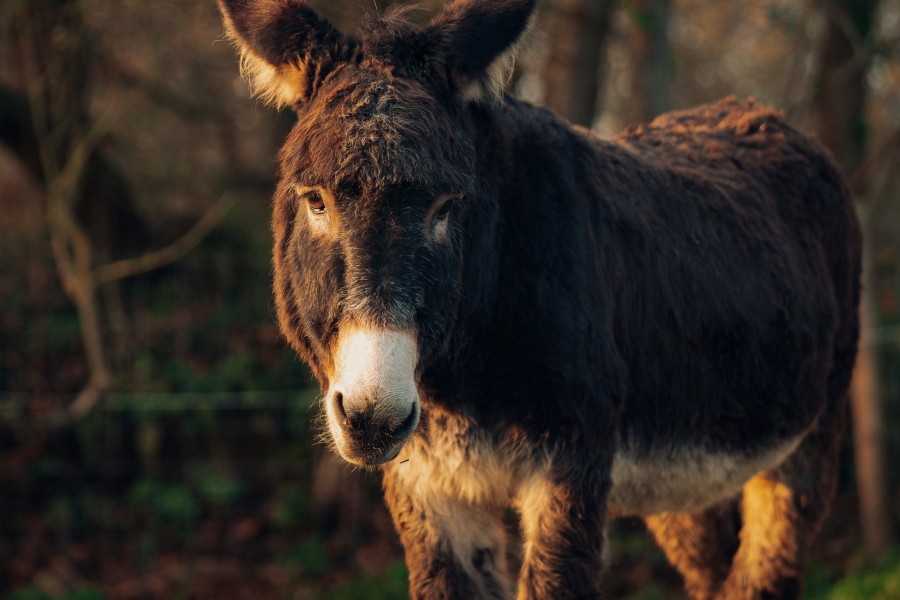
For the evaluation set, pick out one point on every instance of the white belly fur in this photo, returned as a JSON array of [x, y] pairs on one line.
[[686, 479], [459, 461]]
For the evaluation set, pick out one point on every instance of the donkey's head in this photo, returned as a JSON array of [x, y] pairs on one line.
[[377, 190]]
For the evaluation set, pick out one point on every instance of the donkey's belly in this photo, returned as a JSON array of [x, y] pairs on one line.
[[685, 479]]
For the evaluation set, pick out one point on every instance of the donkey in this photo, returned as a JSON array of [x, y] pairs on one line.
[[504, 310]]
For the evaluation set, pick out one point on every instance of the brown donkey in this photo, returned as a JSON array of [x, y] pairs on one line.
[[505, 310]]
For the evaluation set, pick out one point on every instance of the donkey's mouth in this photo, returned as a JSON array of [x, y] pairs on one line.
[[375, 446]]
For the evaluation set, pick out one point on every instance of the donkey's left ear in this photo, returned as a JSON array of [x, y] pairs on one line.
[[477, 39], [286, 48]]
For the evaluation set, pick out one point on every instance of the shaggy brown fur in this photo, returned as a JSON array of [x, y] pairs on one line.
[[504, 310]]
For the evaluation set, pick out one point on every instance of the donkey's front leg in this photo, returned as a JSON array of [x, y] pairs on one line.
[[454, 550], [563, 511]]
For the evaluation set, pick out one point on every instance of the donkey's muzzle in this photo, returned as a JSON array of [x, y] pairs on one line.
[[372, 403]]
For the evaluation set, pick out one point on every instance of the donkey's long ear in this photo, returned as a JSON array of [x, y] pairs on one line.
[[286, 49], [478, 38]]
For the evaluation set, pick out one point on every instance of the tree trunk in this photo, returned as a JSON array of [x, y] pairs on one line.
[[840, 95], [572, 73], [651, 58], [838, 111], [868, 430]]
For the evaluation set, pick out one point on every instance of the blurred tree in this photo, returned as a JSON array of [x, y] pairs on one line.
[[572, 71], [840, 91], [838, 108], [50, 42], [89, 211], [651, 58]]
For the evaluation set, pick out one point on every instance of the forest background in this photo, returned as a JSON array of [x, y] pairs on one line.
[[155, 432]]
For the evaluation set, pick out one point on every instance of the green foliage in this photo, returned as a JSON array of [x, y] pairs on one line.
[[652, 592], [818, 580], [292, 508], [29, 593], [638, 544], [217, 489], [307, 559], [646, 21], [34, 593], [390, 585], [633, 544], [171, 503], [85, 593], [59, 514], [878, 583], [76, 511]]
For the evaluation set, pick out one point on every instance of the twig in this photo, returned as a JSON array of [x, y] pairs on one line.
[[151, 261], [66, 181]]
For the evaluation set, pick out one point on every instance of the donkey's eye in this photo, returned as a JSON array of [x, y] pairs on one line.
[[444, 210], [446, 207], [315, 201]]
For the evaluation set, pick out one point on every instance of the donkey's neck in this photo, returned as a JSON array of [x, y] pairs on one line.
[[519, 142]]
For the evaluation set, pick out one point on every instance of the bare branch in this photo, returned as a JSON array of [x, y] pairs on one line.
[[100, 377], [154, 260], [66, 181]]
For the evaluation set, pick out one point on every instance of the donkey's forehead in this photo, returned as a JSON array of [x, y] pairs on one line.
[[373, 129]]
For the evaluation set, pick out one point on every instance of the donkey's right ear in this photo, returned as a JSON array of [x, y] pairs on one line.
[[286, 49]]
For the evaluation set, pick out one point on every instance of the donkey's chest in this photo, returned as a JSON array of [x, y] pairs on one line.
[[456, 458]]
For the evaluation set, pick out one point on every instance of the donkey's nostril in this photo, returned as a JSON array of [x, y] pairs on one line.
[[349, 417], [338, 400]]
